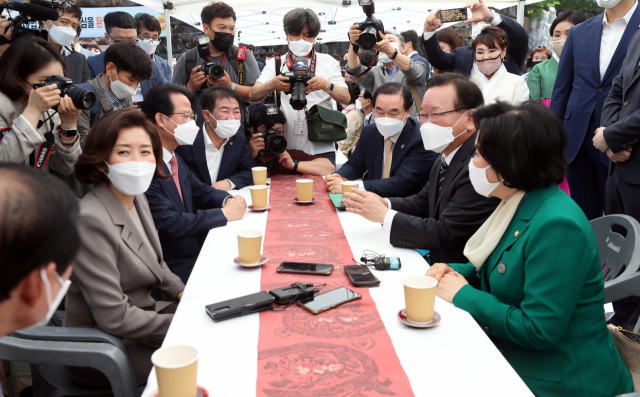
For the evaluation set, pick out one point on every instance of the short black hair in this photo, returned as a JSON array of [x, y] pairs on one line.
[[571, 16], [212, 95], [148, 22], [79, 30], [337, 58], [35, 228], [354, 91], [295, 20], [270, 54], [395, 89], [366, 57], [129, 57], [258, 117], [158, 100], [119, 19], [251, 47], [410, 36], [73, 10], [468, 94], [217, 9], [524, 143], [367, 95]]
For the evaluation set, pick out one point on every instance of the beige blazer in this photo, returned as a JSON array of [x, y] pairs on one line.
[[115, 272]]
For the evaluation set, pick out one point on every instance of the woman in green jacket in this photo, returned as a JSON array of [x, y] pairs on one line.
[[534, 262]]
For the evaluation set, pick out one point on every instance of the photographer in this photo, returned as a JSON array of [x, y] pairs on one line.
[[301, 27], [33, 132], [219, 23]]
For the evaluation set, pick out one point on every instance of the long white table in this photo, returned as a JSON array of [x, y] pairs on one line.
[[455, 358]]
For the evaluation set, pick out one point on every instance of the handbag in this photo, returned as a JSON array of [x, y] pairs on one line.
[[628, 345], [326, 125]]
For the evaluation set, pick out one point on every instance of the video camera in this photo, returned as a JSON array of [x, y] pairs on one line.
[[371, 27], [274, 143], [37, 10], [299, 78], [210, 68], [82, 99]]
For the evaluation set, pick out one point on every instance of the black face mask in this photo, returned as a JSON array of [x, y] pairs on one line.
[[222, 41], [534, 63]]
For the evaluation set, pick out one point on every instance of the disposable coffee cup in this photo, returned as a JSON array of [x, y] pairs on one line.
[[259, 196], [305, 189], [249, 244], [177, 371], [347, 186], [259, 175], [420, 298]]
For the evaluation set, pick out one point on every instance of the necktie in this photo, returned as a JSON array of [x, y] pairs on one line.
[[443, 171], [387, 160], [174, 172]]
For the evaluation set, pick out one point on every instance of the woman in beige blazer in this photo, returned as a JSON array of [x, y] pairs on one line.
[[120, 258]]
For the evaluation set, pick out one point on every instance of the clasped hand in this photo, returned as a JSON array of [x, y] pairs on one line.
[[449, 281]]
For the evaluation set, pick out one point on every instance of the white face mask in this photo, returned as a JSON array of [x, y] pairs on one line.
[[226, 128], [185, 133], [53, 303], [389, 127], [384, 58], [120, 89], [300, 48], [481, 184], [148, 45], [132, 177], [358, 105], [62, 35], [478, 28], [607, 3], [436, 137]]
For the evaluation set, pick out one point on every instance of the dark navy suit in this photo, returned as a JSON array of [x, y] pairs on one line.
[[578, 97], [236, 161], [410, 164], [96, 66], [183, 227]]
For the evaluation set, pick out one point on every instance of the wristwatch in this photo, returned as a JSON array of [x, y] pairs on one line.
[[491, 17], [395, 54], [68, 134], [295, 165], [330, 89]]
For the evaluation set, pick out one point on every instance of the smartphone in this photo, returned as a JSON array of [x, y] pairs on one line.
[[336, 199], [453, 15], [305, 268], [361, 276], [329, 300]]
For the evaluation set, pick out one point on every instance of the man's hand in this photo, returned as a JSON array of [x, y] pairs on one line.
[[480, 12], [384, 46], [235, 208], [438, 270], [196, 79], [432, 23], [286, 161], [317, 84], [222, 185], [224, 80], [354, 33], [279, 83], [366, 204], [179, 296], [449, 286], [256, 144], [598, 140], [68, 113], [6, 31], [621, 156], [333, 183]]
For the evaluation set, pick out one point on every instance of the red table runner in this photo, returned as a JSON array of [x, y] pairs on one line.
[[345, 351]]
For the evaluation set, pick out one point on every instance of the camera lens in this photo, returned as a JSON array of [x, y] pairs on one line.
[[277, 144], [298, 99], [368, 38], [82, 99], [216, 72]]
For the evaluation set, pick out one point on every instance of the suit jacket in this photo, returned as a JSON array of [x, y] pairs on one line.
[[116, 270], [461, 60], [77, 69], [410, 164], [183, 227], [442, 221], [541, 296], [96, 66], [541, 79], [621, 115], [260, 65], [236, 161], [578, 90], [165, 69]]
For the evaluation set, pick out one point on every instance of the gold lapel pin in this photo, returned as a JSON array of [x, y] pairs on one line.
[[517, 233]]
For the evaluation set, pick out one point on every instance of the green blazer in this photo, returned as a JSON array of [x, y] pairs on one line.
[[541, 298], [541, 79]]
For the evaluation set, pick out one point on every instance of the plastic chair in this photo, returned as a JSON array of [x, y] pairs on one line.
[[50, 349]]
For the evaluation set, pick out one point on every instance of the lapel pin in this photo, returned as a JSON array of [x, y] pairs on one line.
[[402, 147], [517, 233], [231, 143]]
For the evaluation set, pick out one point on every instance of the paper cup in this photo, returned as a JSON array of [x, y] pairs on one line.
[[348, 185], [177, 371], [259, 175], [305, 189], [249, 244], [259, 196], [420, 298]]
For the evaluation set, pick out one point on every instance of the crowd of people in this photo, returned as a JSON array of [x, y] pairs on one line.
[[492, 157]]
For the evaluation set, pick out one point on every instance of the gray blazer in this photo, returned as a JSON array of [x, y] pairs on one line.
[[115, 272]]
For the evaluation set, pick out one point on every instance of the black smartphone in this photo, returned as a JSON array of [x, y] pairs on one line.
[[453, 15], [305, 268], [361, 276], [329, 300]]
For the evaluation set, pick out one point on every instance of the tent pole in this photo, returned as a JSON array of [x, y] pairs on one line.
[[167, 25], [520, 11]]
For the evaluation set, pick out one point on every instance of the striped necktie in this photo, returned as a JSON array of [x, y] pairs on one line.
[[443, 171]]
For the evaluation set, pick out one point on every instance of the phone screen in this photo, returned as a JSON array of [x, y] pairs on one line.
[[300, 267], [329, 299], [360, 274]]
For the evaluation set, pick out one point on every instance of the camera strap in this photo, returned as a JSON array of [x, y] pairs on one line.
[[242, 52], [312, 65], [40, 157]]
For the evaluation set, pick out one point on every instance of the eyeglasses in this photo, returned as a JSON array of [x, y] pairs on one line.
[[129, 40], [147, 40], [436, 116], [186, 116], [225, 28]]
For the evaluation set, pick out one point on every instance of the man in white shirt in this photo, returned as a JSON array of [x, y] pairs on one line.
[[366, 104]]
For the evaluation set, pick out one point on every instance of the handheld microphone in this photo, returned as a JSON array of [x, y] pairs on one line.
[[36, 12]]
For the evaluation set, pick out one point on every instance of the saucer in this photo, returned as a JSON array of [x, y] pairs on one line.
[[402, 316], [202, 392], [263, 260], [304, 202], [265, 184], [259, 209]]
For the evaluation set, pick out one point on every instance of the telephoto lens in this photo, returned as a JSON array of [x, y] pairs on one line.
[[368, 38], [82, 99], [298, 99]]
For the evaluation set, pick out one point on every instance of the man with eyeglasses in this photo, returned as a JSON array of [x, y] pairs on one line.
[[448, 211], [219, 23], [149, 31]]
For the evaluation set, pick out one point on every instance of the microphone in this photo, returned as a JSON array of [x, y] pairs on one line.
[[36, 12]]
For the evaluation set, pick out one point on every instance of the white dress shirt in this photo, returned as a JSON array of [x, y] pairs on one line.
[[611, 36], [214, 158], [367, 118]]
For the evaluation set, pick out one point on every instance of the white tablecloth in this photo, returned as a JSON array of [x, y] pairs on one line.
[[455, 358]]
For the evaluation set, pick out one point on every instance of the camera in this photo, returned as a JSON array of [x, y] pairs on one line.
[[82, 99], [210, 68], [274, 143], [30, 13], [370, 28], [295, 292], [299, 78]]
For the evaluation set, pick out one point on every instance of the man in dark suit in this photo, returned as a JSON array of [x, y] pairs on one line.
[[61, 34], [219, 156], [448, 211], [591, 58], [461, 60], [183, 208], [390, 151]]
